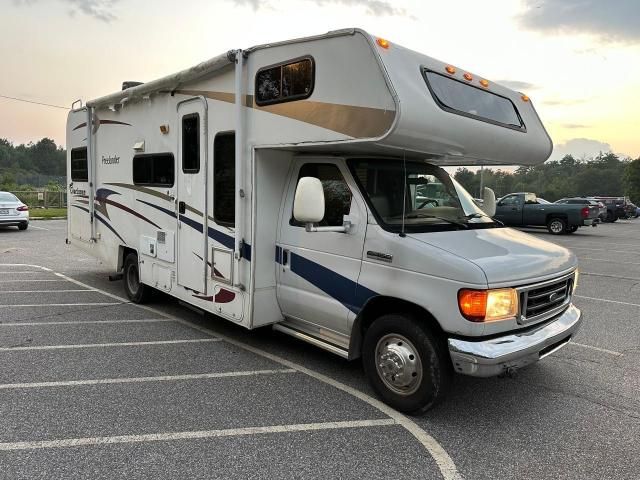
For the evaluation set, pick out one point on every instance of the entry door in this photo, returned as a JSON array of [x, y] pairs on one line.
[[509, 210], [191, 195], [318, 271]]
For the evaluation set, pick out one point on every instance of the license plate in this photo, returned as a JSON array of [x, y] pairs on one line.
[[4, 211]]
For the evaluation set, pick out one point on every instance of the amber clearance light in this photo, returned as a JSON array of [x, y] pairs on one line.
[[383, 43], [484, 83], [451, 70], [524, 98], [468, 77], [488, 305]]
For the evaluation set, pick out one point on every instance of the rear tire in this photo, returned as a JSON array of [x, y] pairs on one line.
[[135, 290], [23, 226], [407, 366], [557, 226], [610, 217]]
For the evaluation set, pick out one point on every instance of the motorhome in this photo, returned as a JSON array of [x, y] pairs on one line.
[[300, 184]]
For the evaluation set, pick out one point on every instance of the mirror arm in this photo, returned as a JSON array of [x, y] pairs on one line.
[[309, 227]]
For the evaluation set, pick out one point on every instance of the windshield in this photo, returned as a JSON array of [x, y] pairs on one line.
[[430, 199]]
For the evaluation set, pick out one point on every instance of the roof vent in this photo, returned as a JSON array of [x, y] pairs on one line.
[[130, 84]]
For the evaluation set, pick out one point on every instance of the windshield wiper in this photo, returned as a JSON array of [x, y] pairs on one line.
[[444, 219], [480, 215]]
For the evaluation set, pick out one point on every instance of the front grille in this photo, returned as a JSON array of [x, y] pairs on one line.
[[541, 301]]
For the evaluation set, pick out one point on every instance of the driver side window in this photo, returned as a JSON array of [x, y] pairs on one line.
[[337, 196], [510, 200]]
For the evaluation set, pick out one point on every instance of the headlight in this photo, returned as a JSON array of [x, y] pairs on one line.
[[488, 305], [575, 281]]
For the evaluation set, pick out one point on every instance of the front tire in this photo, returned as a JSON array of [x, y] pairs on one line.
[[135, 290], [406, 364], [557, 226]]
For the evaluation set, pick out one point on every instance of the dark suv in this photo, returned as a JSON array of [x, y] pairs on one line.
[[616, 207]]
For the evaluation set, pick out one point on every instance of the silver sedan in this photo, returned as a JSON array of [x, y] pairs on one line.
[[13, 213]]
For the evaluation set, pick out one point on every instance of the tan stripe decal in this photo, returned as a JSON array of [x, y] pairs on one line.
[[143, 190], [351, 120]]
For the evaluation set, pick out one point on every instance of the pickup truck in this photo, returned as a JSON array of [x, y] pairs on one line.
[[523, 209]]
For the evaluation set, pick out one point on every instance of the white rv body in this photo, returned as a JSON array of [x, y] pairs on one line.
[[366, 100]]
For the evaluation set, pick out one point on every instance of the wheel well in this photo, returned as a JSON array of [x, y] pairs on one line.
[[561, 216], [382, 305], [122, 254]]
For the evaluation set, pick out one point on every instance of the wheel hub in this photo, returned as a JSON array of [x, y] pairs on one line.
[[398, 364]]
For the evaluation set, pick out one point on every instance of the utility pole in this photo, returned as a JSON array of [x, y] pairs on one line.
[[481, 182]]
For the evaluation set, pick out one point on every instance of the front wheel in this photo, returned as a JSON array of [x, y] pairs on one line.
[[557, 226], [135, 290], [406, 364]]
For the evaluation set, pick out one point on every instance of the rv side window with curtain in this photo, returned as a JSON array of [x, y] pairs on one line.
[[337, 196], [154, 170], [191, 143], [79, 168], [224, 179], [285, 82]]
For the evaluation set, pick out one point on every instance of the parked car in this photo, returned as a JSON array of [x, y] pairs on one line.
[[13, 213], [631, 210], [523, 209], [615, 207], [602, 209]]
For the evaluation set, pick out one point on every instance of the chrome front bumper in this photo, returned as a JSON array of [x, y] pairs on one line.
[[487, 358]]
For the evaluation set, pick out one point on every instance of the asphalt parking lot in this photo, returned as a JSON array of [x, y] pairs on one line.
[[94, 387]]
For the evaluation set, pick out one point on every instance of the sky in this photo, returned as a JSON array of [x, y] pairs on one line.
[[578, 60]]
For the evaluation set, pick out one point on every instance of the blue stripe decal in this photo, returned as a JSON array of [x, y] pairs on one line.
[[103, 221], [192, 223], [168, 212], [349, 293], [220, 237]]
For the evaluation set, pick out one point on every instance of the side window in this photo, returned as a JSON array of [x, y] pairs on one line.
[[224, 179], [191, 143], [79, 168], [510, 200], [337, 196], [285, 82], [154, 170]]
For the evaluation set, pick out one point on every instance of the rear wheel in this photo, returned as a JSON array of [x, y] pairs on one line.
[[23, 226], [557, 226], [135, 290], [610, 217], [406, 364]]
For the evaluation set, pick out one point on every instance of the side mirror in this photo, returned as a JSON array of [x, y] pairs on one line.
[[308, 204], [489, 202]]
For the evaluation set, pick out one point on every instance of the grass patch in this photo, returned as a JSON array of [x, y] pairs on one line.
[[44, 213]]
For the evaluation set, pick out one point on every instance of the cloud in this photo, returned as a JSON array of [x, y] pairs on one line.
[[98, 9], [574, 125], [376, 8], [579, 148], [517, 85], [554, 102], [613, 20]]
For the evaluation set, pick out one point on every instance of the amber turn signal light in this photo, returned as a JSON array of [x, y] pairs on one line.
[[382, 43]]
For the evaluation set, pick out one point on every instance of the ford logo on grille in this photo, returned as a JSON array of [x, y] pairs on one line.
[[556, 296]]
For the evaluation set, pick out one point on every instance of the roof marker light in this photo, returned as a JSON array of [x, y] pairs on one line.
[[383, 43], [484, 83], [524, 98], [468, 77], [450, 69]]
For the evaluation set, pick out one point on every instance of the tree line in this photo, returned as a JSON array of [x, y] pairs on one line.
[[22, 164], [605, 175]]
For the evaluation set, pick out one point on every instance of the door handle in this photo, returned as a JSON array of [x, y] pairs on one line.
[[285, 257], [182, 207]]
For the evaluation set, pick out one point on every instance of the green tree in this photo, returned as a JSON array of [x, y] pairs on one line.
[[631, 180]]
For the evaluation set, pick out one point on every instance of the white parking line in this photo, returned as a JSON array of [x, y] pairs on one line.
[[164, 378], [45, 291], [101, 345], [38, 228], [97, 304], [608, 261], [573, 247], [598, 349], [592, 274], [608, 301], [163, 437], [20, 271], [34, 280], [446, 465], [84, 322]]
